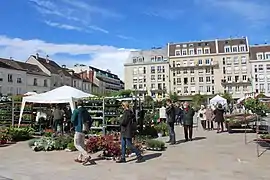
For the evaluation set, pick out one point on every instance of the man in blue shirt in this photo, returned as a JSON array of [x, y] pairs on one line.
[[81, 120]]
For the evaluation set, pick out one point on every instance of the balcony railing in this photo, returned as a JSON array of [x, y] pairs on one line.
[[242, 82], [158, 89], [197, 65]]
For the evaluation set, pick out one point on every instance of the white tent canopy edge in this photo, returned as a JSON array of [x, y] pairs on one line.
[[218, 99], [64, 94]]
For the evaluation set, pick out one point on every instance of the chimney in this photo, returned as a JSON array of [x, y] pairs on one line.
[[108, 71], [64, 66], [47, 59], [37, 55]]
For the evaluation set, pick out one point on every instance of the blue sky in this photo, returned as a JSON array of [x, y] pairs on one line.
[[102, 32]]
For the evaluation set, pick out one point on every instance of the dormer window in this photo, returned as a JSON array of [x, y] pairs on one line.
[[206, 50], [178, 53], [242, 48], [259, 56], [184, 52], [191, 51], [178, 45], [184, 45], [153, 59], [199, 50], [206, 44], [234, 49], [190, 45], [267, 55], [134, 60], [159, 58], [227, 49], [140, 59]]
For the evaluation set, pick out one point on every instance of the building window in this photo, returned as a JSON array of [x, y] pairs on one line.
[[144, 70], [244, 78], [260, 67], [236, 70], [134, 60], [140, 70], [185, 89], [267, 55], [45, 83], [191, 62], [159, 70], [208, 89], [201, 89], [178, 72], [140, 86], [267, 67], [153, 77], [35, 82], [184, 52], [208, 79], [207, 70], [140, 79], [10, 78], [177, 53], [185, 71], [261, 88], [237, 89], [192, 71], [163, 69], [144, 78], [19, 80], [185, 81], [178, 81], [227, 49], [192, 79], [259, 56], [153, 59], [245, 88], [236, 78], [163, 78], [135, 71], [235, 60], [153, 86], [242, 48], [191, 51], [200, 79], [229, 78], [208, 61], [206, 50], [200, 61], [159, 58], [268, 87], [230, 89], [134, 86], [243, 60], [153, 69], [228, 61], [199, 50], [159, 77], [234, 49]]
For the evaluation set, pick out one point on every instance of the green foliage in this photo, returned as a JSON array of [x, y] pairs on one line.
[[255, 106], [174, 97], [155, 144], [71, 146], [162, 128], [198, 100], [227, 96], [20, 134]]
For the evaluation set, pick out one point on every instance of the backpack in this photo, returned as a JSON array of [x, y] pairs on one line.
[[87, 120]]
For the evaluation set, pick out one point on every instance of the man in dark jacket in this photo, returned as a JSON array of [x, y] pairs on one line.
[[58, 116], [170, 113], [188, 113], [128, 123]]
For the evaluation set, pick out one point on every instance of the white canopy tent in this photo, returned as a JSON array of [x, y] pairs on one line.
[[218, 100], [30, 93], [64, 94]]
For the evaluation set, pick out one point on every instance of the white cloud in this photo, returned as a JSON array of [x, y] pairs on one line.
[[104, 57], [165, 13], [71, 11], [64, 26]]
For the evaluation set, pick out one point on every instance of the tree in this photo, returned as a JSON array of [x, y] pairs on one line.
[[198, 100], [173, 96], [227, 96], [255, 105]]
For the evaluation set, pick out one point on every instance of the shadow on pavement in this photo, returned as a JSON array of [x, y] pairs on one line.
[[148, 157], [194, 139]]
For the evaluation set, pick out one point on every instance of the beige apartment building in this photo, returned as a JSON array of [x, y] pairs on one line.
[[210, 67], [147, 72]]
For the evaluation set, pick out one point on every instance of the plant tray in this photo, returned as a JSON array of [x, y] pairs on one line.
[[262, 140]]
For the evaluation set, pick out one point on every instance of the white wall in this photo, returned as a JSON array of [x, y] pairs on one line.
[[40, 87], [13, 87]]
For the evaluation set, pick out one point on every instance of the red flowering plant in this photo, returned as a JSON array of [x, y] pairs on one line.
[[4, 136]]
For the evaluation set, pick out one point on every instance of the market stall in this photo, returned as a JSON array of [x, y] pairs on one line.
[[64, 94], [218, 100]]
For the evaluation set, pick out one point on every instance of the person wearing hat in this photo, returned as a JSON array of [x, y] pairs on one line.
[[219, 118]]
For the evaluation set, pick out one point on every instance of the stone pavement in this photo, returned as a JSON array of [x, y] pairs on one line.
[[213, 156]]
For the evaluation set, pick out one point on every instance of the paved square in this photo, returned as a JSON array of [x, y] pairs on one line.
[[218, 156]]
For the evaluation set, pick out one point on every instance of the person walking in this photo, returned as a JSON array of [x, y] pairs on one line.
[[177, 114], [81, 121], [188, 114], [170, 117], [202, 117], [127, 123], [219, 118], [209, 118], [58, 117]]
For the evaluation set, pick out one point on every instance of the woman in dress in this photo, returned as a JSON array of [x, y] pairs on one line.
[[209, 118]]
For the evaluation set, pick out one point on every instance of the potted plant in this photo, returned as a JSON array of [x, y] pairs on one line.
[[159, 129]]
